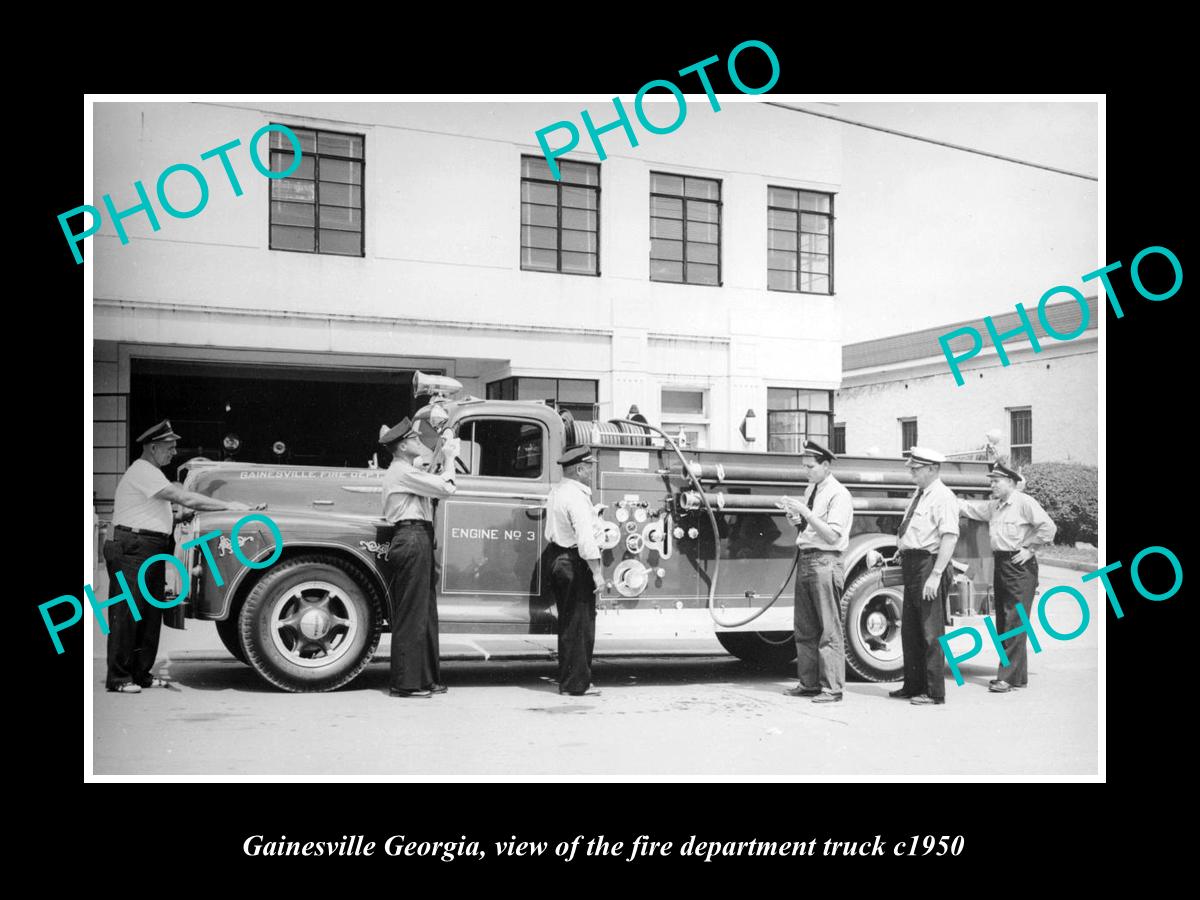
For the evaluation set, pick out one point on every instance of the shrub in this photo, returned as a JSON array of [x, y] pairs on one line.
[[1069, 494]]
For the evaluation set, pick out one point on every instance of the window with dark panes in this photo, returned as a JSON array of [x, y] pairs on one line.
[[560, 220], [685, 229], [319, 207], [908, 434], [502, 448], [839, 438], [795, 415], [799, 241], [1021, 445], [575, 395]]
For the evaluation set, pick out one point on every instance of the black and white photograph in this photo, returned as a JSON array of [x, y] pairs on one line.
[[680, 435]]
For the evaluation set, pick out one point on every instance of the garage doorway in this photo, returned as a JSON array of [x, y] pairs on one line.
[[294, 415]]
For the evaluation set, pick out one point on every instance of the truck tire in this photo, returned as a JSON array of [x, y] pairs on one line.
[[871, 616], [312, 623], [230, 633], [769, 649]]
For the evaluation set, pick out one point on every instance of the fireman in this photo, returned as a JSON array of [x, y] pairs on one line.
[[408, 491], [143, 523], [1016, 525], [926, 538], [572, 564], [824, 519]]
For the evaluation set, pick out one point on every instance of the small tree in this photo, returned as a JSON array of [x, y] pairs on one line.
[[1069, 493]]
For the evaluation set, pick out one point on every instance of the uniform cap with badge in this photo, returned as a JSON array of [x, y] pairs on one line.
[[820, 453], [923, 456], [160, 432], [574, 455], [396, 432], [999, 470]]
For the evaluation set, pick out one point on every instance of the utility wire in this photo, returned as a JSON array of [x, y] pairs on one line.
[[917, 137]]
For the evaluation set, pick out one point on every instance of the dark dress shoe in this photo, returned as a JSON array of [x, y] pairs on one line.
[[925, 700], [590, 692], [999, 687], [826, 697], [802, 691], [409, 695], [438, 689], [901, 694]]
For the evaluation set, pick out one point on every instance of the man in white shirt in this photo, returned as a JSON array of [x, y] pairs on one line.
[[409, 491], [571, 562], [926, 539], [824, 519], [143, 525]]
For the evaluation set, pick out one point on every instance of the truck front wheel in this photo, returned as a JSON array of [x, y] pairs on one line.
[[312, 623], [871, 609], [770, 649]]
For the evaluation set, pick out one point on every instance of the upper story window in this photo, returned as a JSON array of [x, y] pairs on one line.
[[574, 395], [795, 415], [560, 220], [685, 229], [685, 415], [1021, 443], [799, 241], [908, 434], [319, 207], [502, 448]]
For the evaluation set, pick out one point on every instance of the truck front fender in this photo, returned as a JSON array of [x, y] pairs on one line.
[[361, 541]]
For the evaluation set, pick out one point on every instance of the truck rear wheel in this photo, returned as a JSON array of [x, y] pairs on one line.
[[871, 614], [770, 649], [230, 633], [311, 623]]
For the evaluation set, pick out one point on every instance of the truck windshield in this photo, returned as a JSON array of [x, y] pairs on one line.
[[502, 448]]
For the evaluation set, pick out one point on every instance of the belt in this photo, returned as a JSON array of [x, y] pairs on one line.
[[804, 550], [1005, 553], [922, 552], [411, 522], [146, 531]]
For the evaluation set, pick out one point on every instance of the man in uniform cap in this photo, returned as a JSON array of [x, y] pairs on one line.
[[143, 526], [571, 562], [1017, 524], [409, 489], [926, 538], [824, 519]]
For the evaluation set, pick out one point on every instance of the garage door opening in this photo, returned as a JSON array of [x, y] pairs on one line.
[[268, 414]]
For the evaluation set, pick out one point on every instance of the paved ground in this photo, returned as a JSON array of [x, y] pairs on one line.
[[657, 715]]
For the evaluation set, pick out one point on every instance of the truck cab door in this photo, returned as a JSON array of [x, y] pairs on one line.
[[491, 532]]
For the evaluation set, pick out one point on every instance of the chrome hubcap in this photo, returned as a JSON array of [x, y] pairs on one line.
[[878, 631], [314, 624]]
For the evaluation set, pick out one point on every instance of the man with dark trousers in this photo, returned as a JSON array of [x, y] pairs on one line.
[[1017, 525], [143, 526], [409, 489], [571, 562], [926, 538], [824, 519]]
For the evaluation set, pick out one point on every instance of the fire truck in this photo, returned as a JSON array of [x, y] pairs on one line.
[[693, 545]]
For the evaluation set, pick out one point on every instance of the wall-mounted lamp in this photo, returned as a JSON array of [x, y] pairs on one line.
[[749, 427]]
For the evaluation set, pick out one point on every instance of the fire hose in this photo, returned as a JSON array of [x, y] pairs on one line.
[[712, 519]]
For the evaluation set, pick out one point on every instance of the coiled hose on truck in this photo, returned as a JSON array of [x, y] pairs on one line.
[[712, 519]]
